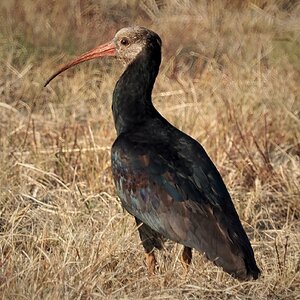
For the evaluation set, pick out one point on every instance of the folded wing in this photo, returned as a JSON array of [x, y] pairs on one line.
[[179, 193]]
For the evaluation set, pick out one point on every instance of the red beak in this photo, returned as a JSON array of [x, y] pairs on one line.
[[108, 49]]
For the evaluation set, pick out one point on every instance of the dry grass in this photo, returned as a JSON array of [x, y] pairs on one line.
[[230, 78]]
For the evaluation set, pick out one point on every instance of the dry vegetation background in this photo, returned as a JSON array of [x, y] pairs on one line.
[[229, 77]]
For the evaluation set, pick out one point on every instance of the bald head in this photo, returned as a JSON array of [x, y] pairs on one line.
[[130, 41]]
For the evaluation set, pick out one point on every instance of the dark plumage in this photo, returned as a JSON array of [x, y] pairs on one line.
[[163, 177]]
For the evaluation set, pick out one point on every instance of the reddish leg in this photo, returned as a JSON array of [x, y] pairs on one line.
[[151, 263]]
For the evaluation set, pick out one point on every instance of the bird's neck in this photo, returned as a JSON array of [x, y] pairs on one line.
[[132, 103]]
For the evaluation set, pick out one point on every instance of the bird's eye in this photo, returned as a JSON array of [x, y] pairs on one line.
[[124, 41]]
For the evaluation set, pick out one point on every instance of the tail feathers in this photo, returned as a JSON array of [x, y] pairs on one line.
[[253, 272], [243, 272], [239, 262]]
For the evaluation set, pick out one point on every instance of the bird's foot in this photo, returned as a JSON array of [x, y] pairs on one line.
[[186, 259], [151, 263]]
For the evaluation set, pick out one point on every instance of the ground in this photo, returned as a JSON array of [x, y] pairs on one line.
[[229, 78]]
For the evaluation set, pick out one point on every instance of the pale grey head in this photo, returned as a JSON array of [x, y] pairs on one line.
[[130, 41]]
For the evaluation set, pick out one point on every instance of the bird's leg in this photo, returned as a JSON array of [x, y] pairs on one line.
[[150, 240], [186, 258], [151, 262]]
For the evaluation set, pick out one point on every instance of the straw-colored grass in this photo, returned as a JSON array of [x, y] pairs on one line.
[[229, 78]]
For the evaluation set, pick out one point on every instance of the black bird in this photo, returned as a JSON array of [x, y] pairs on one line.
[[164, 177]]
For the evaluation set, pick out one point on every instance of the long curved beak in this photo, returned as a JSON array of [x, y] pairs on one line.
[[108, 49]]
